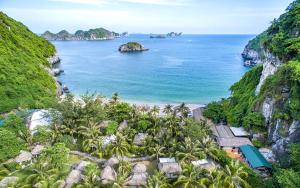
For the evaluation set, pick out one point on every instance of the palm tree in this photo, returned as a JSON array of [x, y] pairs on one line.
[[209, 147], [158, 180], [123, 172], [92, 139], [213, 179], [42, 176], [168, 109], [157, 151], [189, 150], [190, 178], [183, 110], [120, 147], [235, 175], [114, 99], [90, 179]]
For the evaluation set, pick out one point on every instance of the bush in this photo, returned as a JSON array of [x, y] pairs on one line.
[[14, 124], [254, 121], [215, 112], [10, 145], [111, 128], [143, 125]]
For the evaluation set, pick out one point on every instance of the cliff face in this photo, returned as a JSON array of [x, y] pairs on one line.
[[92, 34], [278, 90]]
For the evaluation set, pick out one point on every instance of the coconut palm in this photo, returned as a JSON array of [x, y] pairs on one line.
[[92, 139], [213, 179], [42, 177], [235, 175], [120, 147], [189, 150], [183, 110], [158, 180], [157, 151], [91, 177], [190, 178], [114, 99], [123, 172], [168, 109], [209, 147]]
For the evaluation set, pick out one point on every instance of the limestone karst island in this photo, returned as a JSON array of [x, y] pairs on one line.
[[150, 93]]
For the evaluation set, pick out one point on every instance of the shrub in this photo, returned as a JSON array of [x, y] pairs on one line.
[[10, 145], [111, 128]]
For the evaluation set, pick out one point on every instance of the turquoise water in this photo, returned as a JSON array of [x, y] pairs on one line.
[[191, 68]]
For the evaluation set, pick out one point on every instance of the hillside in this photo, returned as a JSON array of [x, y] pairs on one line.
[[92, 34], [266, 100], [24, 81]]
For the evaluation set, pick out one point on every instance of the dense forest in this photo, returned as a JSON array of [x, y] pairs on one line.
[[24, 80]]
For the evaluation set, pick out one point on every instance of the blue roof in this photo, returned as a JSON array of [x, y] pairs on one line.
[[254, 157], [1, 122]]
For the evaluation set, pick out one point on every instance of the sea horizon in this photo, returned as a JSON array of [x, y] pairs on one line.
[[194, 69]]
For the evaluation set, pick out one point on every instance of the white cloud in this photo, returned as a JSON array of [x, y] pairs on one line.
[[89, 2], [156, 2], [148, 2]]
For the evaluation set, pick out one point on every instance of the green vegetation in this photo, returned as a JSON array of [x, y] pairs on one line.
[[10, 145], [24, 82], [75, 126]]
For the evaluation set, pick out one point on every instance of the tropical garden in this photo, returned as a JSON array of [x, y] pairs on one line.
[[82, 124]]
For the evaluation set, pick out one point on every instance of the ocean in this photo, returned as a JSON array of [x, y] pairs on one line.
[[195, 69]]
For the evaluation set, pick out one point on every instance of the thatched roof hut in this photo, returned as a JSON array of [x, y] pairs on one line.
[[139, 139], [111, 162], [7, 180], [123, 125], [137, 179], [169, 167], [139, 168], [73, 177], [103, 124], [139, 175], [37, 150], [24, 156], [108, 174]]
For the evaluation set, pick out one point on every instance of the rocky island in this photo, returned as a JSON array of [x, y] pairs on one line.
[[92, 34], [132, 47]]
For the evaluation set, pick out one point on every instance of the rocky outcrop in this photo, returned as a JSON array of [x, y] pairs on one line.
[[92, 34], [132, 47], [270, 66], [53, 59], [251, 57]]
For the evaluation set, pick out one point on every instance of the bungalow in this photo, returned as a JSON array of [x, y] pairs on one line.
[[239, 132], [232, 143], [255, 159], [204, 163], [169, 167]]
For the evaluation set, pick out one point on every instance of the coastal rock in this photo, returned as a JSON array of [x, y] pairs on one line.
[[132, 47], [24, 156], [92, 34], [53, 59], [66, 89], [7, 180]]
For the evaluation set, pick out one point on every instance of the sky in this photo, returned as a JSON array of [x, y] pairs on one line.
[[147, 16]]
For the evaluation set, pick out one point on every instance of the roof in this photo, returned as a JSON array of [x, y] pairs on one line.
[[169, 168], [254, 157], [233, 142], [167, 160], [223, 131], [239, 131]]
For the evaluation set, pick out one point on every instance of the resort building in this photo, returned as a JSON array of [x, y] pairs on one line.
[[169, 167], [227, 140], [255, 159], [207, 164]]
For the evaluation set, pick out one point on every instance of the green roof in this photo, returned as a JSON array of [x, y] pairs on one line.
[[254, 157]]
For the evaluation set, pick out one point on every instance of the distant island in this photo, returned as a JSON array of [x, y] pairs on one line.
[[132, 47], [162, 36], [92, 34]]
